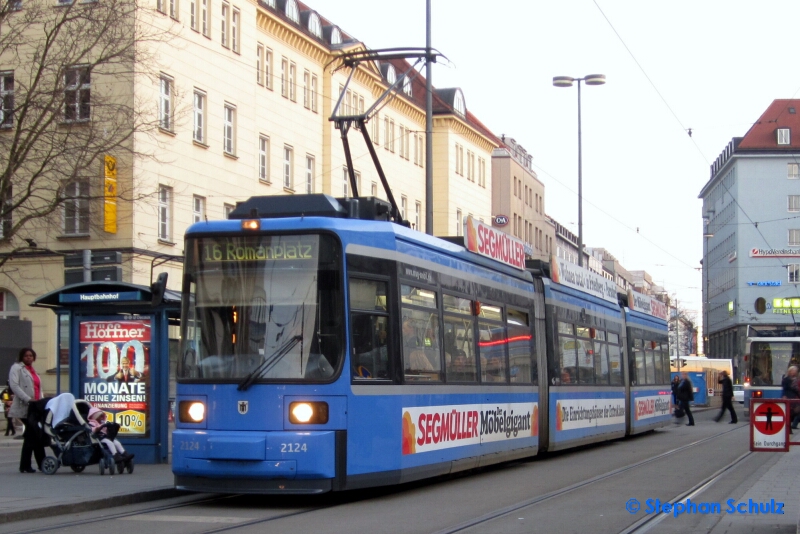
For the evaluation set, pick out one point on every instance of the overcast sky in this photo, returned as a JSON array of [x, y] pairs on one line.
[[713, 66]]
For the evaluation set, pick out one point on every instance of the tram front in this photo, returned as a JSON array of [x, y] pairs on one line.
[[259, 407]]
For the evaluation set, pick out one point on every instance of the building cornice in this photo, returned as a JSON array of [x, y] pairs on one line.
[[457, 125]]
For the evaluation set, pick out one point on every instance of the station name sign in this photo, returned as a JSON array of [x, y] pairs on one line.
[[647, 304], [111, 296], [569, 274], [492, 243]]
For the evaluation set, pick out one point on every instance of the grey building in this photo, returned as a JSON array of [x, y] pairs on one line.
[[751, 243]]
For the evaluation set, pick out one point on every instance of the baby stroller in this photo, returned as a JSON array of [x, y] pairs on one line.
[[73, 442]]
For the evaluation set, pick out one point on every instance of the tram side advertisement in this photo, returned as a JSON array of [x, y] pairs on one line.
[[115, 369]]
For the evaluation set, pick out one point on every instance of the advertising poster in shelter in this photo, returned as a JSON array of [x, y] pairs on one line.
[[115, 370]]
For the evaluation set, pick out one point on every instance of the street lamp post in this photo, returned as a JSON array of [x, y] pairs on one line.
[[567, 81]]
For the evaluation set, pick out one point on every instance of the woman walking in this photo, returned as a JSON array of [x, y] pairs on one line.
[[27, 387]]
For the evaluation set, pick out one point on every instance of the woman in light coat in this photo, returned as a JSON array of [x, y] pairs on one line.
[[27, 387]]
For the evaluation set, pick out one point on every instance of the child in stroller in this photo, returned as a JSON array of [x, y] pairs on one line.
[[74, 442], [107, 432]]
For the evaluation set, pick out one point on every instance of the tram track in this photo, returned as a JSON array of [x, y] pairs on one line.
[[337, 500], [501, 512]]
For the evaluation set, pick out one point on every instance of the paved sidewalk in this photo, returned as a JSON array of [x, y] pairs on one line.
[[27, 496]]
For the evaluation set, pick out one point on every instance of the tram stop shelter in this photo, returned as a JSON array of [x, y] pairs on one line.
[[116, 337]]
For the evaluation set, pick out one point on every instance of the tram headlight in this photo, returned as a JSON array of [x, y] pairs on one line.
[[308, 413], [192, 412]]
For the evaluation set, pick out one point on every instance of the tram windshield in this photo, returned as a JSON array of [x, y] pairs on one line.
[[770, 361], [261, 308]]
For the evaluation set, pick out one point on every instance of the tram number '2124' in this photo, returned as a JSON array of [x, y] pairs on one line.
[[294, 447], [94, 361]]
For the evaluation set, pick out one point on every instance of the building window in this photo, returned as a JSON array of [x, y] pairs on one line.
[[165, 103], [482, 172], [374, 189], [268, 68], [417, 215], [288, 167], [193, 14], [174, 9], [306, 89], [386, 133], [76, 208], [376, 129], [227, 209], [199, 129], [794, 171], [224, 23], [309, 174], [235, 18], [263, 158], [292, 11], [260, 64], [404, 208], [293, 82], [794, 273], [315, 25], [784, 136], [204, 22], [284, 77], [459, 224], [794, 238], [794, 202], [5, 214], [77, 94], [229, 130], [314, 93], [6, 99], [164, 213], [391, 135], [9, 305], [198, 208], [458, 103], [407, 85], [160, 5], [345, 183]]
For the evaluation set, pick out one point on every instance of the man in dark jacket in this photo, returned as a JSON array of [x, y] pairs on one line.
[[727, 397], [685, 395]]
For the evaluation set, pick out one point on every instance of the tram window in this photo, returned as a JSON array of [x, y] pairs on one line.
[[665, 362], [421, 363], [370, 357], [492, 345], [453, 304], [367, 294], [565, 328], [650, 367], [568, 360], [600, 362], [582, 331], [614, 363], [418, 296], [638, 358], [493, 313], [460, 362], [520, 347], [585, 360]]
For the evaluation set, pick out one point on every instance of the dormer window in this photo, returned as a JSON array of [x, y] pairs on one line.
[[407, 86], [336, 36], [784, 136], [458, 103], [292, 11], [391, 75], [314, 25]]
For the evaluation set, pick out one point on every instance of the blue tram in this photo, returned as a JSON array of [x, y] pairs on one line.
[[769, 355], [326, 348]]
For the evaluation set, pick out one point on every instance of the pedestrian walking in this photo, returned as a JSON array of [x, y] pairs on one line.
[[27, 388], [685, 394], [791, 391], [727, 397]]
